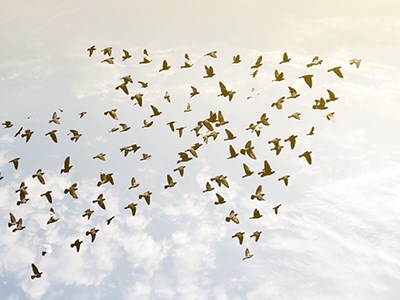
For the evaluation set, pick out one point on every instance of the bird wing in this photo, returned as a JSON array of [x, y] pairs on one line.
[[169, 179], [154, 109], [232, 151], [35, 269], [267, 167], [67, 163], [259, 59], [223, 88], [12, 218], [259, 189]]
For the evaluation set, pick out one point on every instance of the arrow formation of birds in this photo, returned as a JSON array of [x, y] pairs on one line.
[[205, 131]]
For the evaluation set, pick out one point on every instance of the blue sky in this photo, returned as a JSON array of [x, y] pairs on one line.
[[335, 235]]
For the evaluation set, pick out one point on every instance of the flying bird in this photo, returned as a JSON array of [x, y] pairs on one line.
[[355, 61], [92, 232], [52, 135], [209, 72], [308, 79], [240, 236], [285, 179], [276, 208], [256, 235], [146, 196], [258, 63], [36, 273], [77, 245], [315, 61], [126, 55], [165, 66], [132, 207], [337, 71], [232, 217], [285, 58], [247, 254], [67, 165], [307, 156], [267, 170], [91, 50], [212, 54]]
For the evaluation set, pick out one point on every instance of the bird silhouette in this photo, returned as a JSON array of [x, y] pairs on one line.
[[146, 196], [48, 196], [225, 92], [15, 162], [91, 50], [247, 254], [259, 195], [108, 221], [293, 93], [165, 66], [232, 217], [27, 135], [355, 61], [107, 51], [220, 199], [92, 232], [180, 169], [232, 152], [258, 63], [126, 55], [52, 135], [88, 213], [311, 131], [240, 236], [276, 208], [132, 207], [72, 190], [236, 59], [256, 235], [307, 156], [337, 71], [208, 188], [308, 79], [285, 58], [52, 218], [134, 184], [292, 140], [278, 76], [266, 171], [67, 165], [212, 54], [230, 135], [36, 273], [101, 156], [315, 61], [247, 171], [331, 95], [278, 103], [209, 72], [55, 119], [155, 110], [75, 135], [170, 182], [39, 175], [194, 91], [77, 245], [100, 201], [285, 179], [256, 214]]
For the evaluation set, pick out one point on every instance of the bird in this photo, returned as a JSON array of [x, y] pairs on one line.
[[146, 196], [67, 165], [155, 110], [330, 116], [52, 135], [126, 55], [143, 84], [236, 59], [36, 273], [308, 79], [194, 91], [277, 147], [220, 180], [276, 208], [295, 115], [123, 86], [208, 188], [315, 61], [220, 199], [27, 134], [311, 131], [22, 192], [77, 245], [39, 174], [91, 50], [247, 171], [285, 58], [320, 104], [292, 140], [239, 235], [104, 178], [293, 93], [256, 214], [225, 92], [92, 233], [7, 124], [82, 114], [13, 220], [146, 59], [170, 182], [108, 221], [15, 162], [337, 71], [232, 152], [101, 156], [232, 217], [230, 135], [145, 156], [209, 72], [18, 132], [278, 103], [256, 235], [55, 119], [184, 157], [258, 63], [221, 119], [307, 156], [167, 96], [134, 184], [124, 127], [259, 195], [267, 170], [112, 113], [263, 120], [180, 130], [254, 74], [165, 66], [180, 169], [19, 226], [48, 196], [212, 54], [248, 149], [107, 51], [132, 207], [247, 254], [171, 125], [331, 95], [285, 179], [138, 98], [127, 79], [109, 60], [88, 213], [52, 218], [47, 250], [187, 63], [355, 61], [147, 124], [75, 135], [278, 76], [100, 201], [72, 190]]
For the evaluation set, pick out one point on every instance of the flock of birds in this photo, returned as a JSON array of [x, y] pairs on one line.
[[205, 131]]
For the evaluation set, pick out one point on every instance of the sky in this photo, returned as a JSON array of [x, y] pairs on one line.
[[335, 236]]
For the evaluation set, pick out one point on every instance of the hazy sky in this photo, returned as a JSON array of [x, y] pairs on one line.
[[335, 236]]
